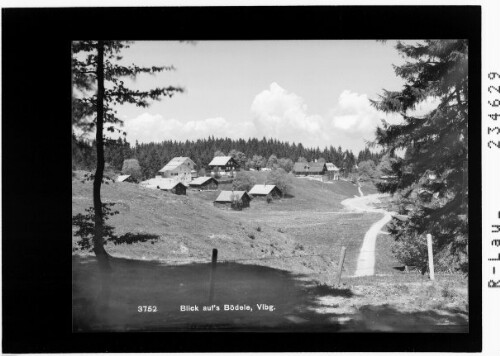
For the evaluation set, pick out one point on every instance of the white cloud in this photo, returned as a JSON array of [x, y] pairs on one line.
[[283, 115], [354, 115], [276, 113], [154, 127]]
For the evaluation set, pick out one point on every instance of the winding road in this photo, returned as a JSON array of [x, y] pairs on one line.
[[364, 203]]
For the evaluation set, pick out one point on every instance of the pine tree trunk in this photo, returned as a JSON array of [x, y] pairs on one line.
[[100, 252]]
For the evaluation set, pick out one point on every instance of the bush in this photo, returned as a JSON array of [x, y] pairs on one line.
[[447, 292], [236, 204], [299, 247], [132, 167], [366, 170], [243, 181], [259, 229], [279, 178], [411, 251], [215, 173]]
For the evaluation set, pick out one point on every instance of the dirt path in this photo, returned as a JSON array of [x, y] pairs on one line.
[[366, 259], [360, 192]]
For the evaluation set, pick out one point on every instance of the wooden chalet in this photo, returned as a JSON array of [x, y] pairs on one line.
[[266, 190], [204, 183], [224, 165], [177, 188], [226, 197], [309, 168]]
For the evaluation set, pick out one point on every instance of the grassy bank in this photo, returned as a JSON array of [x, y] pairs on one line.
[[189, 227]]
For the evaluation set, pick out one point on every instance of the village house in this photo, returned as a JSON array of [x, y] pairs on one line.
[[333, 171], [177, 188], [155, 183], [204, 183], [309, 168], [224, 165], [179, 169], [266, 190], [126, 178], [226, 197]]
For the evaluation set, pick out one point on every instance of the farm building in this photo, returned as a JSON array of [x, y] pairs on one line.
[[173, 187], [309, 168], [126, 178], [179, 169], [225, 165], [155, 183], [333, 171], [226, 197], [265, 190], [204, 183]]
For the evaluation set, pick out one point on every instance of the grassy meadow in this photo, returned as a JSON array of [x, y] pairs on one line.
[[290, 248]]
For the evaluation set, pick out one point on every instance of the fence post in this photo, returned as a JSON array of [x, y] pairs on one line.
[[212, 277], [431, 257], [341, 264]]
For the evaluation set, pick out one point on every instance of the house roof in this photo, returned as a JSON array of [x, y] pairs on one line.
[[220, 161], [225, 195], [262, 189], [310, 167], [201, 180], [168, 185], [176, 162], [332, 167], [122, 178], [162, 183], [153, 182]]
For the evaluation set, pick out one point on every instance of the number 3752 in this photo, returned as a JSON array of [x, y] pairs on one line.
[[147, 309]]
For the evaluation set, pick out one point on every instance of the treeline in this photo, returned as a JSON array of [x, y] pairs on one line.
[[250, 153]]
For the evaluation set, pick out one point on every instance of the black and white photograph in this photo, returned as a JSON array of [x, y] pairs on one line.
[[249, 178], [270, 185]]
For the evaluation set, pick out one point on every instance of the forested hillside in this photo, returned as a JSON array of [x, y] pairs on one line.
[[250, 153]]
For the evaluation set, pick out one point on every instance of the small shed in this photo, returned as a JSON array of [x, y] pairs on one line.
[[204, 183], [265, 190], [226, 197], [126, 178], [173, 187]]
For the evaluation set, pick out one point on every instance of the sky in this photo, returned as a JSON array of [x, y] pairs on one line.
[[313, 92]]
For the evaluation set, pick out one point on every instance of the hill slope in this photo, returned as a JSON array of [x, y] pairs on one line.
[[189, 227], [305, 194]]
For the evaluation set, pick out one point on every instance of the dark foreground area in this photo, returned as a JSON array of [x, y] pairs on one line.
[[289, 302]]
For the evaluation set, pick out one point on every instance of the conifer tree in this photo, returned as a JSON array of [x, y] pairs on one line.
[[97, 89], [432, 175]]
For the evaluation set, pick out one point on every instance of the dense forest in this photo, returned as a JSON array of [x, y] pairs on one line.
[[249, 153]]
